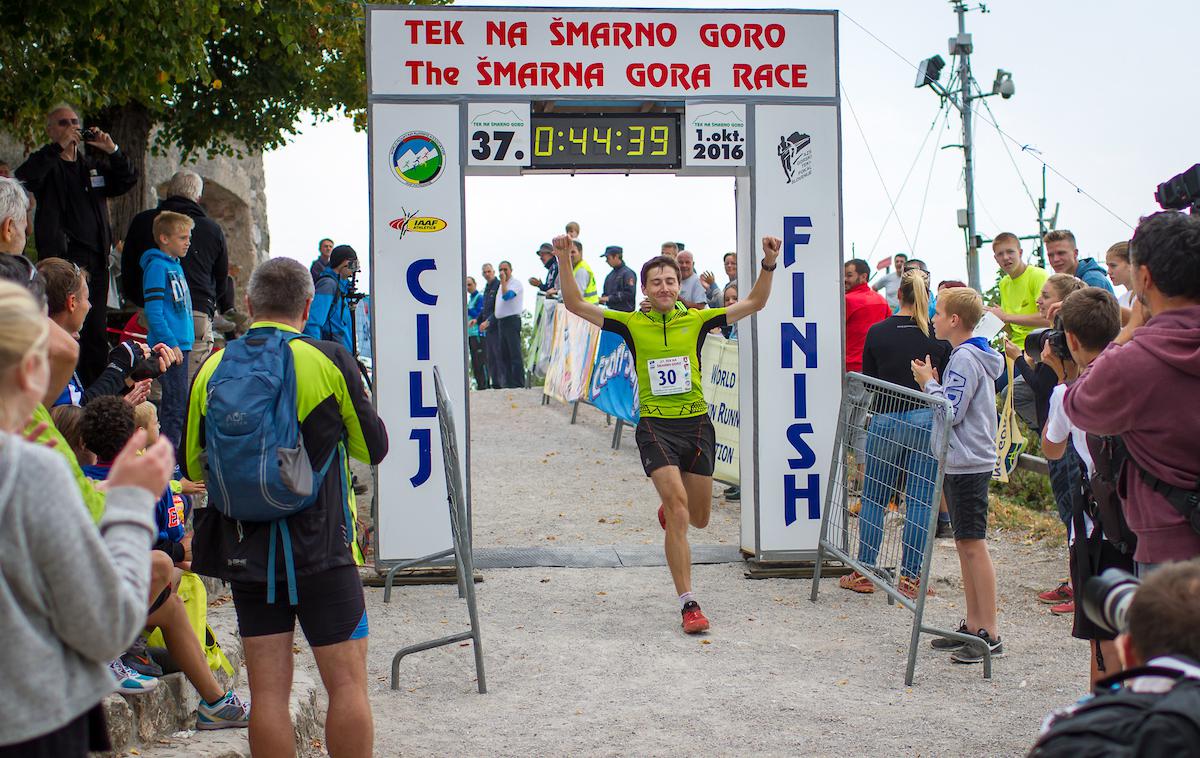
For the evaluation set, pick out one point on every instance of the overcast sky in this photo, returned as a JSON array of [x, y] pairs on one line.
[[1105, 93]]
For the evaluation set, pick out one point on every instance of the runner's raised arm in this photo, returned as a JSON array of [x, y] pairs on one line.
[[572, 297], [757, 299]]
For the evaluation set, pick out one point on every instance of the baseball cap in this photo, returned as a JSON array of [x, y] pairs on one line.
[[545, 248], [341, 254], [614, 250]]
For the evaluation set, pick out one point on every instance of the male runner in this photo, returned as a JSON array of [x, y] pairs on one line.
[[675, 437]]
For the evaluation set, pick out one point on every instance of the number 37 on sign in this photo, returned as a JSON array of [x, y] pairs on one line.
[[498, 134], [715, 134]]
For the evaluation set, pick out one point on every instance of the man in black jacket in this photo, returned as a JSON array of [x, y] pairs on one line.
[[620, 286], [206, 265], [490, 329], [72, 190]]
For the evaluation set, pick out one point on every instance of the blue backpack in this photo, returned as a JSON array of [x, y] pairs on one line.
[[256, 464]]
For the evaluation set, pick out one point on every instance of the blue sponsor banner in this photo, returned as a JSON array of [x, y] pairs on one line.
[[614, 385]]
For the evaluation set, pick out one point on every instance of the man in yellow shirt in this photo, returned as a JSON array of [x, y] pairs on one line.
[[1019, 288]]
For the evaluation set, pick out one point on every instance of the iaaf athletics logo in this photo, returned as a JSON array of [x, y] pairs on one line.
[[795, 154], [412, 222], [417, 159]]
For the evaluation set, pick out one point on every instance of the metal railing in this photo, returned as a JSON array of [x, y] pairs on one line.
[[882, 502]]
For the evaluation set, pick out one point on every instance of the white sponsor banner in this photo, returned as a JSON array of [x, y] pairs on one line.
[[799, 353], [419, 302], [715, 134], [649, 54], [498, 134]]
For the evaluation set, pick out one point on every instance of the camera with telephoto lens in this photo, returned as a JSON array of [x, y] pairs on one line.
[[1106, 599], [146, 368], [1036, 340], [1180, 192]]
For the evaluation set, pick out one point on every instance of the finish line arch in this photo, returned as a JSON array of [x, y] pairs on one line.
[[459, 91]]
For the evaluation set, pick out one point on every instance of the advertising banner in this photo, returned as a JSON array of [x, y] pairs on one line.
[[719, 360], [575, 342], [417, 260], [614, 384], [798, 351], [530, 53]]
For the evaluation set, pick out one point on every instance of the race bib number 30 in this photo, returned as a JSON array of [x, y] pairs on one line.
[[670, 376]]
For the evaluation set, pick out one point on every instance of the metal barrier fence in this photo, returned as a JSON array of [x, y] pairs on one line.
[[885, 484], [460, 530]]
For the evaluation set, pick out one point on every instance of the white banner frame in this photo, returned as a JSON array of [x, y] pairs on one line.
[[413, 520]]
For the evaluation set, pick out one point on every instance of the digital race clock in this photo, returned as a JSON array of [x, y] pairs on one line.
[[610, 140]]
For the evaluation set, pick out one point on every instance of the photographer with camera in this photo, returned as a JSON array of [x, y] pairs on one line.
[[329, 318], [72, 188], [1088, 320], [1142, 387], [1152, 708]]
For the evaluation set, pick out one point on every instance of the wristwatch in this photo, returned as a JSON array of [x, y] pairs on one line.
[[772, 267]]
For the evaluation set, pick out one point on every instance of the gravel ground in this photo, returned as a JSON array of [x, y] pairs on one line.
[[592, 661]]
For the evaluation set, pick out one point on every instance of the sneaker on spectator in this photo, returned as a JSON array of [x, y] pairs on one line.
[[230, 712], [910, 586], [733, 494], [130, 682], [856, 582], [137, 657], [1060, 594], [975, 651], [1064, 609], [945, 529], [359, 487], [945, 643]]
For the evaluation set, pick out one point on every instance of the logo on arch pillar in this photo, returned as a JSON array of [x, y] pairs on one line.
[[417, 159], [413, 222]]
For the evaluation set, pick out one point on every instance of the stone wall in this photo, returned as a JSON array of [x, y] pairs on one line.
[[234, 195]]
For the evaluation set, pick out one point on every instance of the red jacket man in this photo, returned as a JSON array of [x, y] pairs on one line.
[[864, 308]]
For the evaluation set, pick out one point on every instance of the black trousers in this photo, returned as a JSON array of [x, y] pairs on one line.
[[93, 336], [495, 365], [510, 346], [478, 353]]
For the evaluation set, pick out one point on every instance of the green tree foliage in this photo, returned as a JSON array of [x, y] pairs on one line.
[[214, 74]]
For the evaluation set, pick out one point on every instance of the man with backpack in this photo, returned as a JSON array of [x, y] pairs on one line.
[[281, 527], [329, 317], [1152, 708]]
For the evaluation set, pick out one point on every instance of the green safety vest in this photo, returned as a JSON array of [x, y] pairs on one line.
[[589, 293]]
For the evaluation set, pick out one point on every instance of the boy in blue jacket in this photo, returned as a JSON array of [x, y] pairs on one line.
[[329, 315], [169, 313]]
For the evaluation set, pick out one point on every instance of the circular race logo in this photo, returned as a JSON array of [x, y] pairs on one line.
[[417, 159]]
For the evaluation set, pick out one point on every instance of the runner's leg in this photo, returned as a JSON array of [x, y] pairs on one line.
[[674, 496], [269, 669], [349, 730], [699, 498]]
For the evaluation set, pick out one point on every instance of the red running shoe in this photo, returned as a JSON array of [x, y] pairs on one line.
[[694, 621], [1063, 609], [1060, 594], [662, 517]]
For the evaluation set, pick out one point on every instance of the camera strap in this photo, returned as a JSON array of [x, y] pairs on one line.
[[1187, 502]]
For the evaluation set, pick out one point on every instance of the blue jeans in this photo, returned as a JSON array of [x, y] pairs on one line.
[[1065, 482], [173, 405], [898, 442]]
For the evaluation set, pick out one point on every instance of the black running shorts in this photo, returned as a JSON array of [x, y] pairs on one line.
[[331, 607], [967, 501], [688, 443]]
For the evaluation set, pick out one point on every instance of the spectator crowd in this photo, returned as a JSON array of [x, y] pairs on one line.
[[495, 345]]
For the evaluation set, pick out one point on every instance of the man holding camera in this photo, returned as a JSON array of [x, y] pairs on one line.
[[1152, 708], [1143, 387], [72, 190], [329, 317]]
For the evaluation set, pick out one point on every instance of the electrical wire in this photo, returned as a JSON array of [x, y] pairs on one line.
[[878, 173], [1025, 147], [945, 114], [1028, 193]]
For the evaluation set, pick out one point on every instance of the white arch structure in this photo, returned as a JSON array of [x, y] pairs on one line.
[[748, 94]]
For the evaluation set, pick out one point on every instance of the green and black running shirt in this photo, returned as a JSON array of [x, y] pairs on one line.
[[666, 354]]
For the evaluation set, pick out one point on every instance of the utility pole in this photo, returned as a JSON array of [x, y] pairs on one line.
[[928, 72], [962, 48]]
